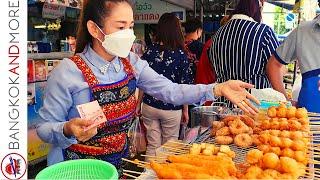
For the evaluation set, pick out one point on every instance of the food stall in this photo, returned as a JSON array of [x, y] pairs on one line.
[[278, 143]]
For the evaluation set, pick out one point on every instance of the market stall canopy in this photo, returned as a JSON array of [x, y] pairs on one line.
[[188, 4], [287, 4]]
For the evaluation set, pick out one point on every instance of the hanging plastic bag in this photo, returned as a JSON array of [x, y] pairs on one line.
[[137, 138]]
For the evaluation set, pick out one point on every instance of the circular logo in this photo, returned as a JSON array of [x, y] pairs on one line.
[[13, 166]]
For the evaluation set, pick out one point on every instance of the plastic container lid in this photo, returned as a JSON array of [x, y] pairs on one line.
[[79, 169]]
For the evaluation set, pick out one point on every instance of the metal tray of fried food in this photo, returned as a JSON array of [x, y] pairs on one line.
[[241, 152]]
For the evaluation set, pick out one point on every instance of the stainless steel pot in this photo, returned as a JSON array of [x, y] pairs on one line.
[[205, 115]]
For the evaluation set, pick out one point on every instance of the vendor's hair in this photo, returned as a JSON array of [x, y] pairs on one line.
[[250, 8], [96, 11], [169, 32]]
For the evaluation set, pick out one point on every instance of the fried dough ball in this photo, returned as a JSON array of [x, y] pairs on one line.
[[286, 142], [247, 120], [264, 138], [301, 113], [306, 141], [264, 148], [286, 176], [252, 172], [291, 112], [238, 127], [298, 145], [275, 141], [282, 112], [300, 156], [304, 120], [217, 124], [270, 160], [274, 124], [301, 170], [271, 172], [256, 130], [253, 156], [265, 125], [275, 150], [223, 132], [272, 112], [274, 132], [288, 165], [255, 139], [296, 135], [294, 125], [227, 119], [283, 125], [287, 152], [285, 134], [243, 140], [225, 140]]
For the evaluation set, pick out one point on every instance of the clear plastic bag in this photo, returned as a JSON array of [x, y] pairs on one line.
[[137, 138]]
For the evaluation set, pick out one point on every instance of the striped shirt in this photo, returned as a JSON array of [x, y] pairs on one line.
[[240, 51]]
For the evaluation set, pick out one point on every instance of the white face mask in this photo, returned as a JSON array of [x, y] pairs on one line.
[[118, 43]]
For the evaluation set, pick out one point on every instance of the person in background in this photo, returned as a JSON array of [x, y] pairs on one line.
[[150, 34], [193, 31], [167, 56], [242, 48], [302, 44], [104, 70], [205, 72]]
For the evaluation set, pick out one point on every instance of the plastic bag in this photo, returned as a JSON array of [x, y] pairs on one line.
[[137, 137]]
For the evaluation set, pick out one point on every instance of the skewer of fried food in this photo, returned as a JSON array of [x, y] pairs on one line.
[[170, 153], [136, 172], [313, 114], [176, 142], [155, 157], [175, 149], [313, 174], [312, 171], [129, 175], [136, 163], [314, 118], [313, 162]]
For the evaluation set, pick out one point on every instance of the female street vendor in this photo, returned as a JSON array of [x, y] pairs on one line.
[[103, 69]]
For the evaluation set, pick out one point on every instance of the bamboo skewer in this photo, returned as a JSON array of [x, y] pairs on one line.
[[178, 148], [314, 122], [129, 175], [313, 175], [136, 172], [155, 157], [133, 162], [175, 149], [313, 162], [175, 142]]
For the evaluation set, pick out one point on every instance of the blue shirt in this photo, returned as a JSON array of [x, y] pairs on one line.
[[66, 88], [241, 50], [303, 44], [173, 65]]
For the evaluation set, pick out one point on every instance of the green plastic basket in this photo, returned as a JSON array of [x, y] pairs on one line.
[[79, 169]]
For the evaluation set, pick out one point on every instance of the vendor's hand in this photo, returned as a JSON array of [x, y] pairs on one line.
[[138, 110], [75, 127], [185, 117], [236, 92]]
